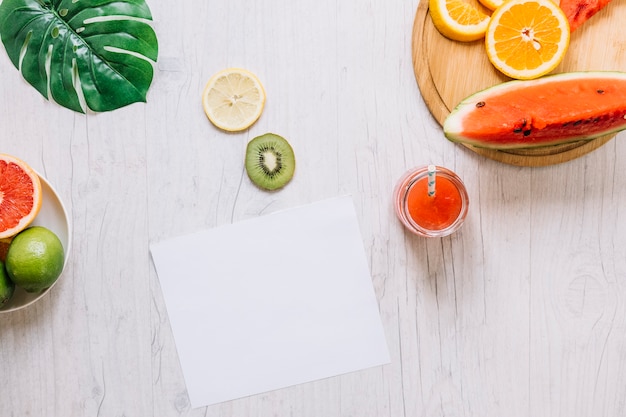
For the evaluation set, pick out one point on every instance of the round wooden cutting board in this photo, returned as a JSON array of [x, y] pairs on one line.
[[448, 71]]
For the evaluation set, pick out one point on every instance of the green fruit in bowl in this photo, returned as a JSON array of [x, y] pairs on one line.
[[35, 259], [7, 287]]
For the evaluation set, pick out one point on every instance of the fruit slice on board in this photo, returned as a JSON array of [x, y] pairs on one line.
[[526, 39], [579, 11], [491, 4], [458, 20], [550, 110], [270, 161], [233, 99], [20, 195]]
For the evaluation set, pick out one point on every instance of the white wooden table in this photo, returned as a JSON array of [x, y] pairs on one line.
[[521, 313]]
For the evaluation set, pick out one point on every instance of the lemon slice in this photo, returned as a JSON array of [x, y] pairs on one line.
[[526, 39], [233, 99], [458, 20]]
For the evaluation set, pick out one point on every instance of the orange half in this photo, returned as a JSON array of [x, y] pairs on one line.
[[526, 39], [20, 195]]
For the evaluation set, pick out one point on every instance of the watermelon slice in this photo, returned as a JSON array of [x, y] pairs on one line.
[[545, 111], [579, 11]]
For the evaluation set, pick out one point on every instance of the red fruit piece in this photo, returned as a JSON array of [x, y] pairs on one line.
[[579, 11]]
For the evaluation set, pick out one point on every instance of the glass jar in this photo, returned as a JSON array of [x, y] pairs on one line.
[[428, 215]]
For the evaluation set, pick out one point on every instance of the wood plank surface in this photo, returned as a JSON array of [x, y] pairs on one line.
[[448, 71], [522, 313]]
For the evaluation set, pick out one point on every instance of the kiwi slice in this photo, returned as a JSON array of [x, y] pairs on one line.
[[270, 161]]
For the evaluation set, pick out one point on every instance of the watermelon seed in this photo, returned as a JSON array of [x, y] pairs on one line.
[[521, 127], [480, 104], [527, 132], [577, 122], [600, 91]]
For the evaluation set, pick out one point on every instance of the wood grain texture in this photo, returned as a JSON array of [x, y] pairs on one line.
[[448, 71], [521, 313]]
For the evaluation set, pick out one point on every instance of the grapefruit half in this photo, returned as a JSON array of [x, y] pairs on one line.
[[20, 195]]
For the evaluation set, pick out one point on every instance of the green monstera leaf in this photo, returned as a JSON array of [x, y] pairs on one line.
[[82, 54]]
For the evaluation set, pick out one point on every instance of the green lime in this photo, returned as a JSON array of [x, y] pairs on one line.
[[35, 259], [7, 287]]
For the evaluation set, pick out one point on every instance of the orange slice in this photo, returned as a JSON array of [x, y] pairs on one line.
[[491, 4], [20, 195], [526, 39], [458, 20]]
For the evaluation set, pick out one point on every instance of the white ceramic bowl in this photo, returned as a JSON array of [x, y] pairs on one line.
[[53, 216]]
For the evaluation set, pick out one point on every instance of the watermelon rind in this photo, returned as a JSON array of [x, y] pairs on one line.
[[455, 124]]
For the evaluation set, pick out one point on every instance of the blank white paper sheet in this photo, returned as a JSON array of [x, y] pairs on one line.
[[271, 302]]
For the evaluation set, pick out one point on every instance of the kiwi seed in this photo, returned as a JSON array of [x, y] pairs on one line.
[[270, 161]]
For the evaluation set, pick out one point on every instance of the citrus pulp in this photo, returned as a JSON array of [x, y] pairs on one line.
[[20, 195]]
